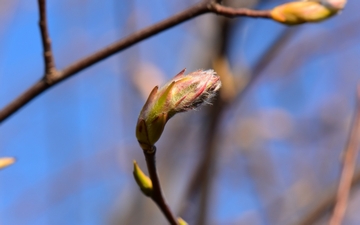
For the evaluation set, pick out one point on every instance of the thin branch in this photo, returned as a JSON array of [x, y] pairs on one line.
[[46, 41], [157, 195], [206, 6], [347, 173], [231, 12]]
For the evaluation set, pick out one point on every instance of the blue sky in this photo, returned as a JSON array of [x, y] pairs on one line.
[[75, 143]]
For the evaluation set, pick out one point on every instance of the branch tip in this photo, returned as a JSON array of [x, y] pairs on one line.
[[46, 42]]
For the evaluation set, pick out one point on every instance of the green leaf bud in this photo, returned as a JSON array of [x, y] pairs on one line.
[[142, 180], [181, 221]]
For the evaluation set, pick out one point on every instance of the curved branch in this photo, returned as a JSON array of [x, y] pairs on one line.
[[206, 6]]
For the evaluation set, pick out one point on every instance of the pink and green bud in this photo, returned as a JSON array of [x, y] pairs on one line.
[[299, 12], [182, 93]]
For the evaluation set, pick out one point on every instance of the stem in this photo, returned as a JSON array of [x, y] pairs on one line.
[[157, 195]]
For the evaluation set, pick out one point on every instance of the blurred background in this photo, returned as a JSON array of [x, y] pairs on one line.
[[267, 151]]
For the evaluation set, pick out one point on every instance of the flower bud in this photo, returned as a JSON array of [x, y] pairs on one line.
[[6, 161], [294, 13], [182, 93]]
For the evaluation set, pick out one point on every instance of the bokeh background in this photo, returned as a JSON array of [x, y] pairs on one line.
[[267, 151]]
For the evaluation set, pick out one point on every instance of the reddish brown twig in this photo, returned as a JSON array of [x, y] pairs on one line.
[[206, 6], [231, 12], [157, 195], [49, 62], [347, 173]]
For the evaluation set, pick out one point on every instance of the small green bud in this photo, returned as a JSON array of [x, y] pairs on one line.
[[142, 180], [6, 161], [181, 221], [182, 93], [294, 13]]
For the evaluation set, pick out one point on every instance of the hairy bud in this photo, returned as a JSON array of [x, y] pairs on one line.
[[182, 93]]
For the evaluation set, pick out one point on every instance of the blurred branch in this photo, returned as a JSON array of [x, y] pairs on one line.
[[270, 53], [205, 6], [199, 186], [208, 166], [348, 180], [206, 171], [156, 194], [220, 105], [50, 70], [347, 173], [325, 204]]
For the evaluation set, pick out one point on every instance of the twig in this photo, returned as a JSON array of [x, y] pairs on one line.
[[347, 173], [157, 195], [49, 62], [206, 6], [231, 12]]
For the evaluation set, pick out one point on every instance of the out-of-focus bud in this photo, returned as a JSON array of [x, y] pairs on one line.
[[294, 13], [181, 221], [142, 180], [335, 5], [6, 161], [182, 93]]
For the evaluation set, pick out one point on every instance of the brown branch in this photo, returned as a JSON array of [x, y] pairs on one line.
[[49, 62], [231, 12], [347, 173], [205, 6], [157, 195]]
